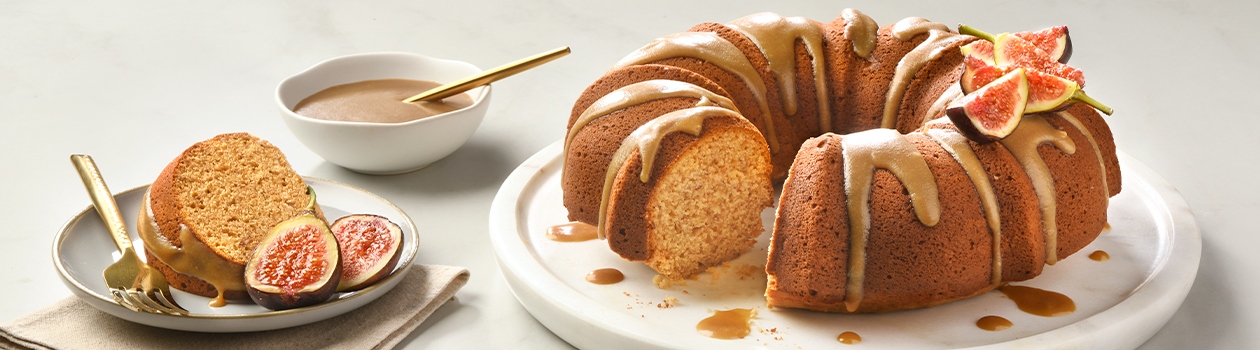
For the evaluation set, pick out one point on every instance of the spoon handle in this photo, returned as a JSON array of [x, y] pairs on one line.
[[489, 76]]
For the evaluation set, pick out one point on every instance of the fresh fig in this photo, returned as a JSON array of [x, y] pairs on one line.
[[371, 246], [1054, 41], [979, 49], [1048, 93], [992, 112], [1013, 51], [296, 264], [977, 73]]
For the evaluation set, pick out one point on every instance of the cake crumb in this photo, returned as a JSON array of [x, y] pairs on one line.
[[663, 282], [669, 302], [746, 271]]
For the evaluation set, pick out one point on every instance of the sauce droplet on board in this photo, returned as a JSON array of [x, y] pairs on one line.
[[727, 324], [993, 323], [1099, 255], [1107, 226], [571, 232], [605, 276], [849, 338], [1039, 302]]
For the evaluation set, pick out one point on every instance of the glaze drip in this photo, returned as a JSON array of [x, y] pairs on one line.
[[864, 152], [1033, 130], [714, 49], [861, 30], [1097, 151], [957, 146], [939, 39], [195, 258], [776, 36], [647, 141], [641, 92]]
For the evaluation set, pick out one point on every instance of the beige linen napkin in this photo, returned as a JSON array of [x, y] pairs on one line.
[[381, 324]]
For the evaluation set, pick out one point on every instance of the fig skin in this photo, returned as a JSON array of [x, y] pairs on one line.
[[987, 101], [368, 278], [273, 297]]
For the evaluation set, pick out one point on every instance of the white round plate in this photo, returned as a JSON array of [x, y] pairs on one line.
[[83, 249], [1153, 242]]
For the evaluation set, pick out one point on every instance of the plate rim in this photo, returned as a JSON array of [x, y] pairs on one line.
[[1167, 283], [158, 320]]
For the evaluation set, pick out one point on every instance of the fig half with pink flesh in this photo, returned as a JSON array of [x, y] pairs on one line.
[[979, 49], [1055, 41], [992, 112], [977, 73], [1013, 51], [296, 264], [371, 246], [1046, 92]]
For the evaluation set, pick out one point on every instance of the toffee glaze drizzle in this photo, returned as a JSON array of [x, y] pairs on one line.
[[641, 92], [849, 338], [727, 324], [940, 38], [957, 146], [647, 140], [776, 36], [994, 323], [709, 47], [605, 276], [1033, 130], [571, 232], [1038, 301], [864, 152], [195, 258], [861, 30]]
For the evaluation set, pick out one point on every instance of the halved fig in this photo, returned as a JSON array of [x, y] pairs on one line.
[[980, 49], [1046, 92], [1054, 41], [1013, 51], [296, 264], [977, 73], [370, 245], [992, 112]]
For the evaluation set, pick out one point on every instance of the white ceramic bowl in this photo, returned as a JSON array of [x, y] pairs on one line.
[[382, 148]]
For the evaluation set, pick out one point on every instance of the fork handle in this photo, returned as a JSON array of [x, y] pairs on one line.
[[102, 199]]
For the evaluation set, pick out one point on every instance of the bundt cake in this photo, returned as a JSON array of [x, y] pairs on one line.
[[885, 204], [208, 209]]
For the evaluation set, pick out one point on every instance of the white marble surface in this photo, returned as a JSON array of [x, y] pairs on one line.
[[134, 82]]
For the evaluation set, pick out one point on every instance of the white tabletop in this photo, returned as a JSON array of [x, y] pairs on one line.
[[134, 82]]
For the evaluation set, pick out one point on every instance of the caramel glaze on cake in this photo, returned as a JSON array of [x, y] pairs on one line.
[[208, 209], [885, 207]]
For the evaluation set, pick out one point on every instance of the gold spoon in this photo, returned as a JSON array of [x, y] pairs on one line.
[[489, 76]]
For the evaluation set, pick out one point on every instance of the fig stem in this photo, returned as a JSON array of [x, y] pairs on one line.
[[1080, 95], [311, 191], [972, 31]]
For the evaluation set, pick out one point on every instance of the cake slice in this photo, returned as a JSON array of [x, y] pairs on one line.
[[208, 209]]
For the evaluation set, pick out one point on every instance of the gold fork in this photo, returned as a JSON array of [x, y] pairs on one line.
[[133, 284]]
